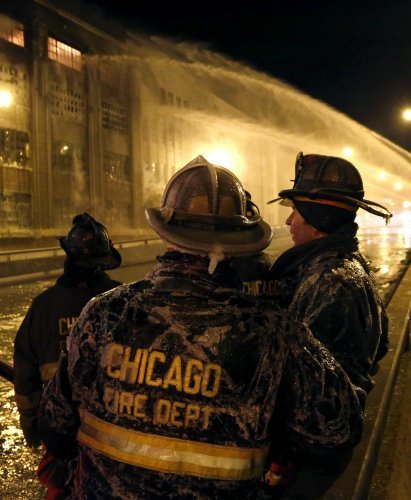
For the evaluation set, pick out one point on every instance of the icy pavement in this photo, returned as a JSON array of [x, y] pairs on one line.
[[388, 250]]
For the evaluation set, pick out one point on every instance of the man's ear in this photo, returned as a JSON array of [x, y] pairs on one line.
[[317, 233]]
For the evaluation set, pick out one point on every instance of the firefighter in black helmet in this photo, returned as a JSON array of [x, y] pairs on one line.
[[42, 334], [173, 382], [324, 280], [44, 329], [88, 246]]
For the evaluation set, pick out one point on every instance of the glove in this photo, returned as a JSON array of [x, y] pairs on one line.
[[28, 423]]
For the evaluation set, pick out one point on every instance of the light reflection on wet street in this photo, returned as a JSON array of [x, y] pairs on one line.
[[18, 463], [388, 250]]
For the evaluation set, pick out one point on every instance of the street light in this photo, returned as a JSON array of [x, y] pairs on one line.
[[348, 152], [5, 99], [406, 114]]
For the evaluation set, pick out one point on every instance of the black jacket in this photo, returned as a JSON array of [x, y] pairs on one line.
[[42, 335], [328, 284]]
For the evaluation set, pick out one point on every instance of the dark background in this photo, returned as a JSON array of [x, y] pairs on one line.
[[353, 55]]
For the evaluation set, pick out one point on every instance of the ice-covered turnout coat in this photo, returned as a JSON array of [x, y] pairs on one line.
[[328, 284], [42, 335], [253, 272], [176, 385]]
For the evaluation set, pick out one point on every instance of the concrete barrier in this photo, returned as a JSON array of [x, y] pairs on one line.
[[25, 265]]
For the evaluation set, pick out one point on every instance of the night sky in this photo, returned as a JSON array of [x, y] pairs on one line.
[[353, 55]]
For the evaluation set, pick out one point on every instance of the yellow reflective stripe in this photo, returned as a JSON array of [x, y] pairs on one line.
[[173, 455], [47, 371]]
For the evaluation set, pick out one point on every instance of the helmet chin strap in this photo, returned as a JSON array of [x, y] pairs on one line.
[[215, 257]]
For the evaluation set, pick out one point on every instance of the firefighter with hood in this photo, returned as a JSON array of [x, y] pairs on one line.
[[43, 332], [175, 385], [324, 280]]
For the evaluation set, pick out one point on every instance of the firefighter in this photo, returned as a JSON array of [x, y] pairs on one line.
[[175, 385], [43, 332], [323, 279]]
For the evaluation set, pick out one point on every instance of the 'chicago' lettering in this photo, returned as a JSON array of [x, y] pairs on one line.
[[191, 377], [66, 324], [260, 287]]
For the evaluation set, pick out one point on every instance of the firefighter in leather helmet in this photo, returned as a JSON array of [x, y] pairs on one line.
[[174, 386], [42, 334], [323, 279]]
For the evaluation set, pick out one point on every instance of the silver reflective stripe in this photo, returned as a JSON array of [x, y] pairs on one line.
[[173, 455]]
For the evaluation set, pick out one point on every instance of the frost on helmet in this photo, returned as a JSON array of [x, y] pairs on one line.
[[203, 210]]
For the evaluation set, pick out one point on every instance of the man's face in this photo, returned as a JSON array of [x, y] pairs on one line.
[[301, 231]]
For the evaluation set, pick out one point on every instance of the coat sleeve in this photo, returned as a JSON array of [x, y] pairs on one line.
[[323, 412], [27, 380], [346, 318], [59, 417]]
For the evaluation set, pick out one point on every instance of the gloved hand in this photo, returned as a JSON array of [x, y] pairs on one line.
[[28, 423]]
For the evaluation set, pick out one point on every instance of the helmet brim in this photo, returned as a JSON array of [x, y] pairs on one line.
[[286, 196], [111, 261], [105, 262], [247, 240], [285, 202]]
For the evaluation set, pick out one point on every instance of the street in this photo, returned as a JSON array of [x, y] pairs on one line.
[[387, 249]]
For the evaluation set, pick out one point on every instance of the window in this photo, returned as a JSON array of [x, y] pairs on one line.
[[70, 181], [68, 157], [116, 167], [15, 36], [67, 102], [115, 117], [14, 147], [117, 198], [11, 30], [15, 179], [64, 54]]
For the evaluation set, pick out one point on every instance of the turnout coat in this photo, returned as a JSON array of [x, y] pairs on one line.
[[42, 335], [176, 385], [328, 284]]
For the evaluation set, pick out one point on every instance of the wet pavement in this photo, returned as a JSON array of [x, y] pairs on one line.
[[388, 249], [18, 463], [392, 477]]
